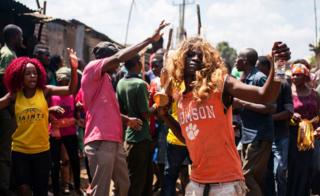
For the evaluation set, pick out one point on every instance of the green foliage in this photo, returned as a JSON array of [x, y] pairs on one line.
[[312, 60], [228, 53]]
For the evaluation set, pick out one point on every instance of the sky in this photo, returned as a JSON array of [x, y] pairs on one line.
[[242, 23]]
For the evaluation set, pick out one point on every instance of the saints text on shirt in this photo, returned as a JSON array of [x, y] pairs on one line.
[[194, 113], [30, 115]]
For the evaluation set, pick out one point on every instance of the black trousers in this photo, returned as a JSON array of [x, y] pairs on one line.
[[71, 144], [140, 167], [299, 167], [32, 170], [7, 127]]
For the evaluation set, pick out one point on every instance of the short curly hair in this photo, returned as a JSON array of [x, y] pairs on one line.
[[14, 74]]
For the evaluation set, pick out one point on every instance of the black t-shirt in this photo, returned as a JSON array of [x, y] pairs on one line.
[[3, 90], [284, 102]]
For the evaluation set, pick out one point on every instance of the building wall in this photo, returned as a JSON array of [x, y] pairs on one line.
[[90, 42], [80, 40], [59, 35]]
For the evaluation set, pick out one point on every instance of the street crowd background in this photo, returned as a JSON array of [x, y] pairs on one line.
[[200, 119]]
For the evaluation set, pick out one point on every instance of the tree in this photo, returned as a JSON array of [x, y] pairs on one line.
[[228, 53], [316, 59]]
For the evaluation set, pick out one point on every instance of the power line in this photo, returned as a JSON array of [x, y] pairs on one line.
[[315, 22]]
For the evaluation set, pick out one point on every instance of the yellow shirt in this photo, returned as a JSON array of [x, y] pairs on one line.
[[31, 135], [171, 138]]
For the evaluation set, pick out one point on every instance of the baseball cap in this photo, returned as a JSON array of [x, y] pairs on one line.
[[105, 49]]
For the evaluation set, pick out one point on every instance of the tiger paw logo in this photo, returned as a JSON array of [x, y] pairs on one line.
[[192, 131]]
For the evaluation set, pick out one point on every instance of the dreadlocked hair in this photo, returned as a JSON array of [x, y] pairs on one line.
[[210, 78], [14, 74]]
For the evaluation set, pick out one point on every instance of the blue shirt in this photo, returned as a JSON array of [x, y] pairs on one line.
[[256, 126]]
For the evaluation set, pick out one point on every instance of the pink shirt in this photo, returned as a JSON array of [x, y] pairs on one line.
[[103, 120], [67, 103]]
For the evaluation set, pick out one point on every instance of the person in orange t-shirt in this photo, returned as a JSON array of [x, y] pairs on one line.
[[205, 114]]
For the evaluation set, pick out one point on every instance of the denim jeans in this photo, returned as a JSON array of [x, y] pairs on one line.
[[280, 150], [176, 155], [276, 177]]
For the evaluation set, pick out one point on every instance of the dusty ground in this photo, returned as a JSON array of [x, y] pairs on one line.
[[85, 181]]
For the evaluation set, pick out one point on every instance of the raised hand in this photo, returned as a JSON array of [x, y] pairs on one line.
[[158, 34], [73, 58], [281, 51]]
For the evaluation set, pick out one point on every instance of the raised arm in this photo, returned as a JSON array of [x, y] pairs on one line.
[[72, 88], [111, 63], [270, 90], [260, 108], [266, 94]]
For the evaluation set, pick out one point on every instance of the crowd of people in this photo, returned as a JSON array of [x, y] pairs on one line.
[[243, 130]]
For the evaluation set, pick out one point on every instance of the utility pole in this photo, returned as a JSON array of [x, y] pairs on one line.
[[43, 11], [315, 22], [128, 22], [181, 30], [199, 20]]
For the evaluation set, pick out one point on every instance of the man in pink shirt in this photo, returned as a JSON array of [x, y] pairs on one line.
[[103, 133]]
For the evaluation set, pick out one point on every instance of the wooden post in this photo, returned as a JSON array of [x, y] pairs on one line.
[[38, 4], [44, 9], [199, 19], [169, 41], [143, 62], [167, 48]]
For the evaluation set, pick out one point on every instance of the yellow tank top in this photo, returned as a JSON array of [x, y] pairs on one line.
[[171, 138], [31, 135]]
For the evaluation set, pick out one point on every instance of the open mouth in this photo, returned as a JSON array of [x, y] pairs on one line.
[[193, 65], [33, 82]]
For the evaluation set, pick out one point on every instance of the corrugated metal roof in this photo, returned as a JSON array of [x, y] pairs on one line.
[[12, 6], [37, 15]]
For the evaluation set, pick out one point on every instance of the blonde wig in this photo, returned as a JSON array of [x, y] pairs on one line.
[[210, 78]]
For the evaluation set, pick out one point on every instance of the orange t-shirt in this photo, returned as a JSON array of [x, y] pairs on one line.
[[209, 138]]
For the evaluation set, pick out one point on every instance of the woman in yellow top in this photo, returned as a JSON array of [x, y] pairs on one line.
[[25, 79]]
